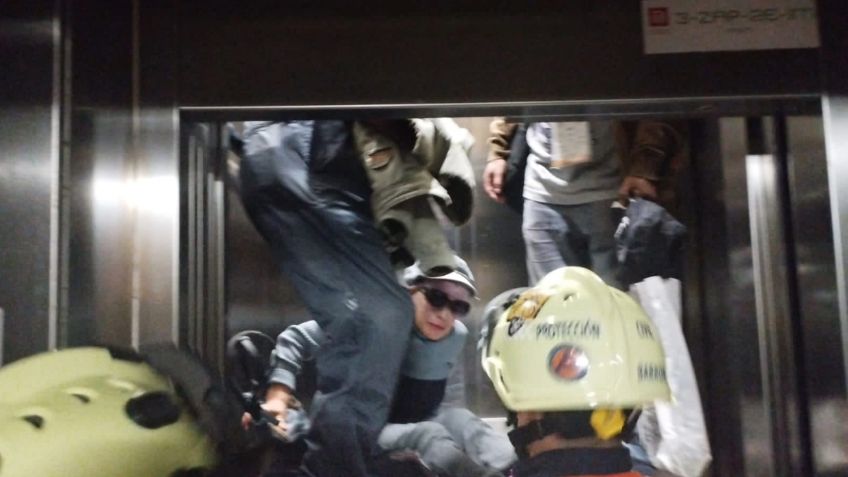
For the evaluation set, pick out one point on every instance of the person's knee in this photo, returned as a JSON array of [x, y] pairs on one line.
[[426, 434], [431, 428], [458, 414], [457, 419]]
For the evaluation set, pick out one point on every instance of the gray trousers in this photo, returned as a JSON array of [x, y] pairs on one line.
[[570, 235], [454, 442]]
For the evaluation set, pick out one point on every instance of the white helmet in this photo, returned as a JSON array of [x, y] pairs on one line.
[[574, 343]]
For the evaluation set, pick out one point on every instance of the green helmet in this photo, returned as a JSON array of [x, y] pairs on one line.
[[95, 412], [574, 343]]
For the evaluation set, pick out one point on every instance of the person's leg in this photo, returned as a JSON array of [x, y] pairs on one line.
[[328, 246], [427, 241], [435, 446], [483, 444], [597, 220], [411, 232], [550, 240], [341, 272]]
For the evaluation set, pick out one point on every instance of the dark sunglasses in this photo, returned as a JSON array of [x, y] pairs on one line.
[[439, 299]]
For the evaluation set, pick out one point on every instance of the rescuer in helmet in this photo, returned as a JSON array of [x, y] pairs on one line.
[[573, 360]]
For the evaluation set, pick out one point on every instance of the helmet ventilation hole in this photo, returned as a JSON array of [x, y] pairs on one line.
[[36, 421], [82, 397], [82, 394]]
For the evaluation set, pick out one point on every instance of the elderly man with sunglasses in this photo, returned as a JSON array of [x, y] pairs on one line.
[[451, 440]]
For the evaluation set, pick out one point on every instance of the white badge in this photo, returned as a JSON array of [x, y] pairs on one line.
[[571, 144]]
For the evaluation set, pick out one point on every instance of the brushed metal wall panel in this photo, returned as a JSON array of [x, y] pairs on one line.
[[818, 298], [124, 178], [709, 305], [742, 367], [777, 313], [158, 170], [101, 177], [829, 403], [29, 174]]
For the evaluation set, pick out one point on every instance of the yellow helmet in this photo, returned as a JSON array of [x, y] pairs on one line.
[[574, 343], [96, 412]]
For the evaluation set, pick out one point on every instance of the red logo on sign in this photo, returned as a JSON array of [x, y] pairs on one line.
[[658, 17]]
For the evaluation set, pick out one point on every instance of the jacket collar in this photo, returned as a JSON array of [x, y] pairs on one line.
[[562, 462]]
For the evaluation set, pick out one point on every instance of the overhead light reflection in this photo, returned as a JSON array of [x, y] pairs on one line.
[[152, 195]]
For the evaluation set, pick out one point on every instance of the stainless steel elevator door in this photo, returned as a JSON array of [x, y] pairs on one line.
[[775, 388], [822, 345]]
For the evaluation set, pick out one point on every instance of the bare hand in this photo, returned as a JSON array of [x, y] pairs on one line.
[[636, 187], [278, 407], [493, 179], [277, 400], [274, 407]]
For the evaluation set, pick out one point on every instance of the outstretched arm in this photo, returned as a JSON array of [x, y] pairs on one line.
[[295, 345]]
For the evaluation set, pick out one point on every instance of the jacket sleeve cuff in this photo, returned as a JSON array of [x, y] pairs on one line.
[[283, 376], [500, 136], [646, 166], [655, 144]]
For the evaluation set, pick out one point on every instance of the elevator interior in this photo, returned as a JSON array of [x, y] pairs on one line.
[[121, 226], [758, 316]]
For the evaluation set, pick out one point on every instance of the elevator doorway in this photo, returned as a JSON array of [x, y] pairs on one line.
[[759, 291]]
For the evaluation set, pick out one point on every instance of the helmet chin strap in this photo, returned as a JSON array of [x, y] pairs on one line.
[[601, 424], [567, 426]]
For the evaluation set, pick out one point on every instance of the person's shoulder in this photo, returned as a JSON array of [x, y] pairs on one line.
[[460, 330], [456, 340]]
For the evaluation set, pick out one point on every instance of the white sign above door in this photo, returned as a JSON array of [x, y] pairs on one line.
[[679, 26]]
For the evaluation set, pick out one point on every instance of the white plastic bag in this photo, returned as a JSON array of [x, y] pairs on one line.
[[673, 433]]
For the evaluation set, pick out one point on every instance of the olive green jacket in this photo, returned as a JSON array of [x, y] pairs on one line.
[[418, 157]]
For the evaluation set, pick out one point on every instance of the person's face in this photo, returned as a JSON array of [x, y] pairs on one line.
[[438, 303]]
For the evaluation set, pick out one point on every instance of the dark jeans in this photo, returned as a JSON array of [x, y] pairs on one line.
[[299, 189]]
